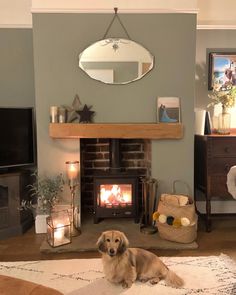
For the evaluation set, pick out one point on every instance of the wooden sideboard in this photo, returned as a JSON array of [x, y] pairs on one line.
[[214, 155]]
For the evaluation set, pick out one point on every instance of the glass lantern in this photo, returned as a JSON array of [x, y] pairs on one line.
[[72, 170], [58, 228]]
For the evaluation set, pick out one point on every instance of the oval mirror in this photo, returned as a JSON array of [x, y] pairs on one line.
[[116, 61]]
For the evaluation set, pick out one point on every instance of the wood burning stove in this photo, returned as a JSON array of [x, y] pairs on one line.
[[116, 196], [115, 192]]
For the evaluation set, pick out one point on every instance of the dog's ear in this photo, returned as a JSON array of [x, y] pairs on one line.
[[124, 243], [100, 243]]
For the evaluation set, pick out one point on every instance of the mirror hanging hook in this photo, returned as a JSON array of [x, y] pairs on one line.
[[122, 25]]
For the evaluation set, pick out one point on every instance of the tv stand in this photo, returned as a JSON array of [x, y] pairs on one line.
[[13, 189]]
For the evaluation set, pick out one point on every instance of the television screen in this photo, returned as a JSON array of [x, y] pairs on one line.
[[17, 141]]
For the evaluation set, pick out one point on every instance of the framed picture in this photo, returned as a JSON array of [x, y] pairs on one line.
[[168, 109], [222, 68]]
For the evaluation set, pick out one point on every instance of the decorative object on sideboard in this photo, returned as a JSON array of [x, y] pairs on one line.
[[168, 109], [116, 60], [58, 228], [224, 95], [72, 170]]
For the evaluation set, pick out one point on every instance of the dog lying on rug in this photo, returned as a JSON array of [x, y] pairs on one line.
[[125, 265]]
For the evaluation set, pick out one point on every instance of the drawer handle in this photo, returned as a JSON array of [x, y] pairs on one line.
[[227, 167], [226, 149]]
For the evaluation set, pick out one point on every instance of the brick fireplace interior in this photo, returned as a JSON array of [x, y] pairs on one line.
[[110, 177]]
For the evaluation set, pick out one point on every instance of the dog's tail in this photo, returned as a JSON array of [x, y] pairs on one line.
[[173, 280]]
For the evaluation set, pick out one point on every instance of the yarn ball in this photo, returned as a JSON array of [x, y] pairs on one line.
[[177, 222], [185, 221], [170, 220], [162, 218], [155, 215]]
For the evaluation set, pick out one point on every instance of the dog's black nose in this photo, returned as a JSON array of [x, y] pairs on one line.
[[112, 251]]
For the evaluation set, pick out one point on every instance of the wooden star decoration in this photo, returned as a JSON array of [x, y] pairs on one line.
[[72, 110], [85, 114]]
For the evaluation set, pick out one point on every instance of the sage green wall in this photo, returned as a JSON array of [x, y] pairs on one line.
[[59, 38], [16, 68]]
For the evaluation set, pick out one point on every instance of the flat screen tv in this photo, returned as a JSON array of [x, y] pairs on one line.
[[17, 137]]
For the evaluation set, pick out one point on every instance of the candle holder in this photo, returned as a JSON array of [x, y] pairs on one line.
[[58, 228], [72, 169]]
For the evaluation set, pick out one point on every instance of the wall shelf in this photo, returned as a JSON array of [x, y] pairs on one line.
[[116, 130]]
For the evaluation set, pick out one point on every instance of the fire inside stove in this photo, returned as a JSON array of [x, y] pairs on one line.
[[115, 195]]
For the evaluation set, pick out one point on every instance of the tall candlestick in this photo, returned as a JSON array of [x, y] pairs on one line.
[[72, 175]]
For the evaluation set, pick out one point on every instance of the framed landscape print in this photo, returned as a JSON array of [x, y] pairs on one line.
[[222, 68], [168, 109]]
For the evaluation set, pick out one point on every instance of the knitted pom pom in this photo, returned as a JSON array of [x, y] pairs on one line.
[[170, 220], [185, 221], [155, 215], [177, 222], [162, 218]]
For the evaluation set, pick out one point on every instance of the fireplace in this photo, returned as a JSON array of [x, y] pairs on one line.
[[116, 196], [115, 191], [111, 170]]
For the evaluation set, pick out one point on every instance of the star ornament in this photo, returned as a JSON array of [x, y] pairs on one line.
[[85, 114], [71, 110]]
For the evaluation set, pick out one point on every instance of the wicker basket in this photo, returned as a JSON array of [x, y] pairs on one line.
[[181, 234]]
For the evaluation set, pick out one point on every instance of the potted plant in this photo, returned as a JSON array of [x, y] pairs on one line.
[[43, 195], [224, 95]]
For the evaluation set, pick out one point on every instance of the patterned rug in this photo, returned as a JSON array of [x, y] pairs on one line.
[[215, 275]]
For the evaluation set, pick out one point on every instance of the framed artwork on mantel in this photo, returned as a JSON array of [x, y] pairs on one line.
[[168, 109], [222, 68]]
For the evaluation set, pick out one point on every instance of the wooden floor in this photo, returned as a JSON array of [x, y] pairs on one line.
[[222, 239]]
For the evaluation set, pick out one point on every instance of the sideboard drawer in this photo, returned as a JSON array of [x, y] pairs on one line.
[[220, 165], [225, 147]]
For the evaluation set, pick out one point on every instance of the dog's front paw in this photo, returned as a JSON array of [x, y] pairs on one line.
[[154, 281], [127, 284]]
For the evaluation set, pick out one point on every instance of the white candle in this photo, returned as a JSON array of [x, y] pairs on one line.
[[59, 232], [53, 114], [72, 170]]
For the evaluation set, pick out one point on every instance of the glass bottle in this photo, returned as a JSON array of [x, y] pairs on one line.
[[224, 120]]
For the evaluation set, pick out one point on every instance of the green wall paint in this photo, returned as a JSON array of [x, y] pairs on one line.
[[59, 38], [16, 67]]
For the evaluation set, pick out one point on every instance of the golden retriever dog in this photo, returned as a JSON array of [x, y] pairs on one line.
[[125, 265]]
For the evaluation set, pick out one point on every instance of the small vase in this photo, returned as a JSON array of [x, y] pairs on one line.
[[224, 120]]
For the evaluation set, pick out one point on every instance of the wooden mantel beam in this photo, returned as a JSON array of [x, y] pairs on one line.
[[116, 130]]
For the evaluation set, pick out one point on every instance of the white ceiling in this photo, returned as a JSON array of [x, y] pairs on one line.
[[217, 14]]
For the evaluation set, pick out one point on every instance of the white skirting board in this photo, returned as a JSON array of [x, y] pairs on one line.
[[220, 207]]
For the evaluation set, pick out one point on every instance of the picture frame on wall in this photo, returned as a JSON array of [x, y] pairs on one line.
[[222, 68], [168, 110]]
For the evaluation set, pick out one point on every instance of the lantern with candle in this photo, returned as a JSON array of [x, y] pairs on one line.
[[59, 228], [72, 169]]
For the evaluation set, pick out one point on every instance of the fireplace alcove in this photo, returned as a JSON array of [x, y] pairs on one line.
[[94, 142]]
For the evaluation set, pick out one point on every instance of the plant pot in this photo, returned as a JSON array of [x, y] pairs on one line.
[[41, 223]]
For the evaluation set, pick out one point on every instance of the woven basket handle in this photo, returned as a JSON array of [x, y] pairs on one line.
[[187, 187]]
